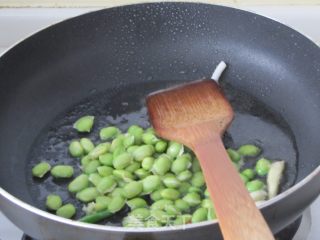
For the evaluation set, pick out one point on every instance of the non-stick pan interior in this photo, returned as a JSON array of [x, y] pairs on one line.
[[105, 62], [254, 123]]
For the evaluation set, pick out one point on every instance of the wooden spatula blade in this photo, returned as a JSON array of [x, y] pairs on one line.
[[197, 114], [196, 106]]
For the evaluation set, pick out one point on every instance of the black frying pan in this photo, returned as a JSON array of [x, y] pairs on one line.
[[104, 63]]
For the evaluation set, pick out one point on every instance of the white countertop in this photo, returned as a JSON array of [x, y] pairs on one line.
[[16, 24]]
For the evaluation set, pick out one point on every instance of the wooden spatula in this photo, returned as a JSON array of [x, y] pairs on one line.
[[197, 114]]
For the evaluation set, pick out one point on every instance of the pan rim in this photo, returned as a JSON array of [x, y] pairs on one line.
[[105, 228], [149, 2]]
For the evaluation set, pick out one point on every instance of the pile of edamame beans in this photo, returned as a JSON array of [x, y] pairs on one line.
[[160, 181]]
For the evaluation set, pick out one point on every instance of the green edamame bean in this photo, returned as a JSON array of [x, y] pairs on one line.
[[100, 149], [122, 161], [249, 173], [116, 204], [175, 149], [195, 167], [53, 202], [206, 203], [183, 219], [124, 175], [161, 216], [133, 167], [188, 155], [137, 203], [117, 143], [121, 137], [211, 214], [263, 166], [132, 148], [149, 138], [105, 171], [79, 183], [172, 210], [170, 194], [128, 140], [141, 173], [244, 178], [95, 178], [156, 195], [88, 194], [236, 165], [178, 221], [121, 183], [171, 182], [150, 130], [151, 183], [184, 188], [140, 213], [103, 199], [197, 179], [201, 214], [85, 160], [249, 150], [87, 145], [40, 169], [106, 159], [194, 189], [181, 164], [132, 189], [161, 204], [117, 192], [254, 185], [135, 129], [234, 155], [184, 176], [76, 149], [147, 163], [192, 198], [84, 124], [109, 133], [102, 203], [106, 185], [206, 193], [118, 151], [169, 174], [62, 171], [142, 152], [91, 167], [66, 211], [137, 132], [161, 146], [182, 205], [161, 165]]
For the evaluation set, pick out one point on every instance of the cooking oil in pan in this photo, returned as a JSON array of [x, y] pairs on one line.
[[253, 123]]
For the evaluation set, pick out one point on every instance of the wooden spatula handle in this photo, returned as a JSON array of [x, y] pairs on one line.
[[239, 218]]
